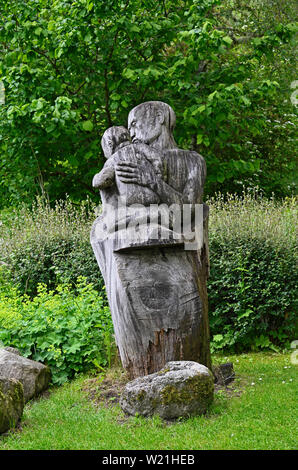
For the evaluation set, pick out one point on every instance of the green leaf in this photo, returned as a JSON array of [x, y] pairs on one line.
[[128, 73], [134, 29], [58, 52], [115, 97], [220, 177], [88, 37], [206, 141], [246, 100], [245, 314], [51, 25], [73, 348], [227, 40], [90, 6], [200, 109], [200, 138], [212, 95], [217, 338], [87, 126], [50, 127]]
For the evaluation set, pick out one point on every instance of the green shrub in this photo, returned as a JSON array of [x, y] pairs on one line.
[[253, 278], [69, 330], [252, 255], [48, 245]]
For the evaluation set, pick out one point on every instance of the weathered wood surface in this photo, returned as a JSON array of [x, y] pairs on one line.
[[156, 289]]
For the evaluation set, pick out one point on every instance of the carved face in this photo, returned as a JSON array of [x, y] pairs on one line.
[[145, 124], [113, 138]]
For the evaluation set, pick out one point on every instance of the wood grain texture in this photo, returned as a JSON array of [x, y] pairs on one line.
[[157, 290]]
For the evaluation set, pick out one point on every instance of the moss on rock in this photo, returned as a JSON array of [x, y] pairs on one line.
[[11, 403], [195, 388], [182, 388]]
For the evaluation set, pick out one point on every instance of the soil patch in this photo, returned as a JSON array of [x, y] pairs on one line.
[[105, 389]]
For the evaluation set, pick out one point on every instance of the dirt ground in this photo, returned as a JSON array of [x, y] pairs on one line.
[[106, 388]]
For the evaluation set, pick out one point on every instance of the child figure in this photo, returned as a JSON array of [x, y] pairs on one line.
[[117, 148]]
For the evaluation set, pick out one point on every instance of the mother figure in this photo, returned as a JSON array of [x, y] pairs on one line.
[[155, 280]]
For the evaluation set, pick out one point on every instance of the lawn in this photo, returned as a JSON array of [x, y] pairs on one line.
[[259, 413]]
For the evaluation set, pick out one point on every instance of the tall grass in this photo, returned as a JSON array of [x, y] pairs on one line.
[[43, 223], [255, 217], [48, 244]]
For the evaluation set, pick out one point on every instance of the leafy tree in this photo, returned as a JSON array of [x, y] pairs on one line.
[[71, 68]]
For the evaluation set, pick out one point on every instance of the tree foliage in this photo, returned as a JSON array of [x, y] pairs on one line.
[[71, 68]]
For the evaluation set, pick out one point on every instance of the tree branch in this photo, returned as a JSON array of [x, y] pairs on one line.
[[65, 175]]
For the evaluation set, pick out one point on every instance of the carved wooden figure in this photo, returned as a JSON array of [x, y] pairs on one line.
[[156, 286]]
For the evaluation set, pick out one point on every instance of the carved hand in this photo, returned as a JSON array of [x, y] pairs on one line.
[[144, 175]]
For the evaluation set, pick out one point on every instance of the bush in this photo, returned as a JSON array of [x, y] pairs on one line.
[[253, 278], [252, 254], [48, 245], [70, 331]]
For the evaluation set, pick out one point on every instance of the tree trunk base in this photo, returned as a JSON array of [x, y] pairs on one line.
[[158, 301]]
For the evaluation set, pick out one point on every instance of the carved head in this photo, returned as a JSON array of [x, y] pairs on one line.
[[152, 123], [114, 138]]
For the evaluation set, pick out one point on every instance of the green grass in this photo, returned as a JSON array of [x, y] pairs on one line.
[[264, 416]]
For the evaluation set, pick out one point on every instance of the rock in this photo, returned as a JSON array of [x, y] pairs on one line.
[[180, 389], [34, 376], [12, 350], [224, 373], [11, 403]]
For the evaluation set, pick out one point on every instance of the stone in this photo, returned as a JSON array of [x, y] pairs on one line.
[[180, 389], [12, 350], [224, 373], [11, 403], [151, 247], [34, 376]]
